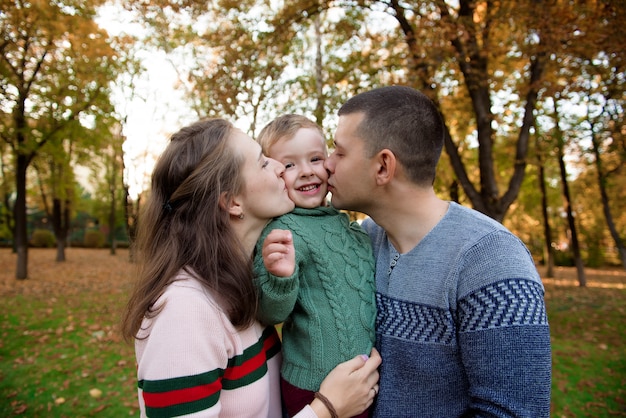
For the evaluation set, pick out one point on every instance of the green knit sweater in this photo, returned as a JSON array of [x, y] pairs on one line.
[[328, 305]]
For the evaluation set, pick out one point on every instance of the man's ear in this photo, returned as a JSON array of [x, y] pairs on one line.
[[386, 166], [231, 205]]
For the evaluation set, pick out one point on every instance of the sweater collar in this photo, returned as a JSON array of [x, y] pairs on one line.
[[318, 211]]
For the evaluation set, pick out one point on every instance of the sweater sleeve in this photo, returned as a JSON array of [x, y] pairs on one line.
[[504, 335], [277, 295], [180, 365], [306, 412]]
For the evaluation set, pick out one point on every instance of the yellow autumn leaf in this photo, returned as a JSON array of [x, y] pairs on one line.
[[95, 393]]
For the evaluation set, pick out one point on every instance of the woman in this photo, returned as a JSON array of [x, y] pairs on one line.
[[200, 351]]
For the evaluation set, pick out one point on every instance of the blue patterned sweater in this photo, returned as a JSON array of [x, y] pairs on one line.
[[461, 324]]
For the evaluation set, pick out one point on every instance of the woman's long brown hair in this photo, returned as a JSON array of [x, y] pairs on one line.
[[183, 226]]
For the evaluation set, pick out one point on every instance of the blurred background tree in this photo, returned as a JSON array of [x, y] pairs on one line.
[[57, 68], [532, 95]]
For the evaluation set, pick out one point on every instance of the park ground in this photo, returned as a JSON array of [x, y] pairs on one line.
[[61, 353]]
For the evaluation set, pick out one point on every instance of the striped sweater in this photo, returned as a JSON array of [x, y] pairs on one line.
[[192, 362]]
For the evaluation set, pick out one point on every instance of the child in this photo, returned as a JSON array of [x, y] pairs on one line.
[[327, 305]]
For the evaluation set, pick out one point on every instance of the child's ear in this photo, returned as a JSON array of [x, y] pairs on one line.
[[385, 166], [231, 205]]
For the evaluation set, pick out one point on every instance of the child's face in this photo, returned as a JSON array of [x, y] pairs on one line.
[[305, 176]]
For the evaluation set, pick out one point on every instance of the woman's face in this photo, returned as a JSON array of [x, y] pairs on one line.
[[265, 195]]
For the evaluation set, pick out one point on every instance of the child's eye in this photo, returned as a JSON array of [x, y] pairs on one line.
[[316, 159], [288, 165]]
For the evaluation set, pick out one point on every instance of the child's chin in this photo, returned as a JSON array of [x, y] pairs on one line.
[[309, 203]]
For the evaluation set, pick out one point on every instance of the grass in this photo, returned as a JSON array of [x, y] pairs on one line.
[[588, 332], [60, 350], [61, 354]]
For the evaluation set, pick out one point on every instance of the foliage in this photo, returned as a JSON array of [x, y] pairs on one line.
[[5, 229], [42, 238], [55, 74], [585, 87], [6, 199], [94, 239], [485, 64], [491, 67], [109, 199], [56, 68], [252, 60], [563, 258]]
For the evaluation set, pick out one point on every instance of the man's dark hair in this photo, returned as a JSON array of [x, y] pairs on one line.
[[406, 122]]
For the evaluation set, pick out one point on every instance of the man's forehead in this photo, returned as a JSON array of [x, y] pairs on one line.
[[348, 124]]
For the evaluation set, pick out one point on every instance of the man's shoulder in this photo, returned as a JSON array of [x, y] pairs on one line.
[[371, 227], [464, 221]]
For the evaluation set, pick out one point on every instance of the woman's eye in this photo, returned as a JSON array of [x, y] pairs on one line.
[[265, 163]]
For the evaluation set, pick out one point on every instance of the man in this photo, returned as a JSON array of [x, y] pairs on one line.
[[461, 325]]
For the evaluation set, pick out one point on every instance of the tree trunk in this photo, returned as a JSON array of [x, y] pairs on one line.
[[19, 214], [60, 251], [548, 257], [582, 280], [605, 200], [60, 225], [622, 254], [549, 251], [112, 219], [454, 191], [319, 73], [9, 219], [472, 58], [7, 214], [131, 217]]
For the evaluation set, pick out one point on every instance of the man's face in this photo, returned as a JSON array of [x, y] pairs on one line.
[[352, 175]]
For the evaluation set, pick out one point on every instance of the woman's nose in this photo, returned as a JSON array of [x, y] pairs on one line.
[[279, 168]]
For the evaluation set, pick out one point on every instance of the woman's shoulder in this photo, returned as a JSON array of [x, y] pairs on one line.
[[187, 296], [184, 284]]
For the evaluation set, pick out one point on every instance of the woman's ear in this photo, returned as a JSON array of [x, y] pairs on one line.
[[231, 205], [385, 166]]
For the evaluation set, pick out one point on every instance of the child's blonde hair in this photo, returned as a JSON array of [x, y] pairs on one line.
[[285, 127]]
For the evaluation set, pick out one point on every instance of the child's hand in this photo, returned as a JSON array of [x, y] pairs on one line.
[[279, 254]]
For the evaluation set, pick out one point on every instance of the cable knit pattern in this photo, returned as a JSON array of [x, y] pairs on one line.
[[461, 323], [328, 305]]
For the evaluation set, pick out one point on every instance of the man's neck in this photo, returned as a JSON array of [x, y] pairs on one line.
[[408, 218]]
